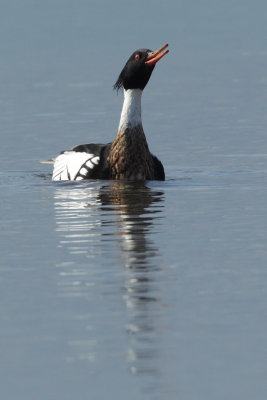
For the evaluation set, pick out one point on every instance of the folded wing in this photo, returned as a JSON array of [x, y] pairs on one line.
[[74, 166]]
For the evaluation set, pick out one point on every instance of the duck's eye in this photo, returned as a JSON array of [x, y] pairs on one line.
[[137, 57]]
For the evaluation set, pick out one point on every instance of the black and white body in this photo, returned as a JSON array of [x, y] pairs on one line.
[[128, 156]]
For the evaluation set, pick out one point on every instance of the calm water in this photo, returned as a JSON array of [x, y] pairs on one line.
[[138, 291]]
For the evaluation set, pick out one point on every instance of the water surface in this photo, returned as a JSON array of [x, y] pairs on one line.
[[138, 291]]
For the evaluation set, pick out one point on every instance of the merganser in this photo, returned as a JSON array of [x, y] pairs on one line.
[[128, 156]]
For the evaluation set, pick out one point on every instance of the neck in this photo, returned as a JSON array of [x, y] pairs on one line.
[[131, 109], [129, 156]]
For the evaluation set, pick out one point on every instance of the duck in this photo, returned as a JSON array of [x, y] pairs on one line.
[[128, 157]]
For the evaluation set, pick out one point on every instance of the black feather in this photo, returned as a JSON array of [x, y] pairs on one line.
[[119, 84]]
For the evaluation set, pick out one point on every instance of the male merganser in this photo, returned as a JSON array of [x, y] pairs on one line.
[[128, 156]]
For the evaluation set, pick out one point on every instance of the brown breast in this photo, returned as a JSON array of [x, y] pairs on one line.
[[129, 156]]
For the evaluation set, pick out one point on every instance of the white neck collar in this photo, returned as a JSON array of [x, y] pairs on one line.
[[131, 109]]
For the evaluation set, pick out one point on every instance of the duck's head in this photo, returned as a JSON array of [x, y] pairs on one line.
[[139, 67]]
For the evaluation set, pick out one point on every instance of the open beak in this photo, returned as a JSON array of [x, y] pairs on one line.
[[154, 56]]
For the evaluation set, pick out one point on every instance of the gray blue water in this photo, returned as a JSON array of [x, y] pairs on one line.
[[140, 291]]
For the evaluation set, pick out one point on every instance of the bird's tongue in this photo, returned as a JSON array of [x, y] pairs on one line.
[[155, 56]]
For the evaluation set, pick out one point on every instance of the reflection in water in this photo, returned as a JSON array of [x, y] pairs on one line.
[[90, 220], [77, 217], [136, 207]]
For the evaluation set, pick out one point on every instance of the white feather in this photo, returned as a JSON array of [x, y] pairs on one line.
[[89, 164], [70, 163], [95, 160], [83, 171]]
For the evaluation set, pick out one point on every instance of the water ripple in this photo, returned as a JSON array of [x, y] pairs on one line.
[[112, 225]]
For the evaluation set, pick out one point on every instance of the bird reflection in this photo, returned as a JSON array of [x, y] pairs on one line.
[[90, 220], [136, 206]]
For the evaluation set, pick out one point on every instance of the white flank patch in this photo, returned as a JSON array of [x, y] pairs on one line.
[[70, 163], [131, 109]]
